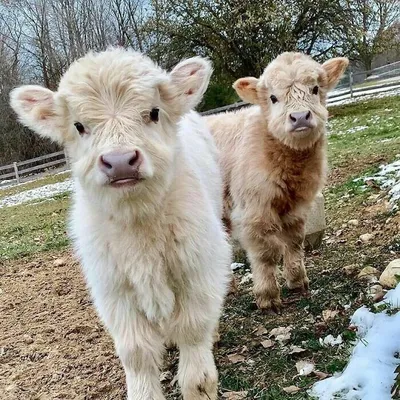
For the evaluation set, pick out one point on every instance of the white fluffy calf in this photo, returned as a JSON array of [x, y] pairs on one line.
[[146, 220]]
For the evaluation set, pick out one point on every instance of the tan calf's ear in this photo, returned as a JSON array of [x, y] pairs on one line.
[[246, 88], [335, 68]]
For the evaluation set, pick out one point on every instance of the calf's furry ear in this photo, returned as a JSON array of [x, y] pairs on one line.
[[246, 88], [35, 108], [188, 82], [334, 69]]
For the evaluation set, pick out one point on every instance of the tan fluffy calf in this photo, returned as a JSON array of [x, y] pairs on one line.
[[274, 163]]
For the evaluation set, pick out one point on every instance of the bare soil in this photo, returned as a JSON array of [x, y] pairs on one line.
[[52, 343], [53, 346]]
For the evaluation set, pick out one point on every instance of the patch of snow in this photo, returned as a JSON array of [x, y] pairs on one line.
[[13, 182], [370, 373], [235, 266], [356, 129], [247, 278], [388, 177], [42, 192], [392, 298], [330, 340], [385, 140]]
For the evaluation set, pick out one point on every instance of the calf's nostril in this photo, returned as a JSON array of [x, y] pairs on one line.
[[292, 118], [105, 163], [308, 116], [134, 158]]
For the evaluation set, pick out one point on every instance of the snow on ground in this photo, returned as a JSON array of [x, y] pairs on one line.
[[370, 373], [43, 192], [353, 130], [13, 182], [388, 177]]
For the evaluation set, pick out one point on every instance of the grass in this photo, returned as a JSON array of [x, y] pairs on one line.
[[377, 140], [33, 228], [30, 230]]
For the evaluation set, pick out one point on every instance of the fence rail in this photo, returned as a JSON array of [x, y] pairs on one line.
[[354, 84], [42, 163]]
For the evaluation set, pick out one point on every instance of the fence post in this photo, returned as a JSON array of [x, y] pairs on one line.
[[67, 160], [351, 83], [16, 172]]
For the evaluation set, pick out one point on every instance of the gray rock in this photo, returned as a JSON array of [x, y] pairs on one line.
[[316, 224], [369, 274], [388, 278]]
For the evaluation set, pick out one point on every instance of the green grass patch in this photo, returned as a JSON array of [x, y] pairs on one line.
[[364, 132], [34, 227]]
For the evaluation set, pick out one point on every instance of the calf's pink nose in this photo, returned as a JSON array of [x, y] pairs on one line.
[[301, 119], [120, 165]]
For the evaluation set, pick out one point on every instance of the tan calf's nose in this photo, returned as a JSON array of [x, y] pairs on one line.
[[120, 165], [301, 119]]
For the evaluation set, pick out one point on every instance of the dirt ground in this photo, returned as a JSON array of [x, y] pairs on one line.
[[54, 347]]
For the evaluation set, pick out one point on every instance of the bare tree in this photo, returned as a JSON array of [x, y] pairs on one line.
[[374, 28]]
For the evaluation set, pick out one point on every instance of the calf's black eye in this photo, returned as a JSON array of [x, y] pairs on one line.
[[154, 114], [79, 127], [273, 99], [315, 90]]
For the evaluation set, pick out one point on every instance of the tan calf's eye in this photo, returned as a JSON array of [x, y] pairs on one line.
[[273, 99], [315, 90]]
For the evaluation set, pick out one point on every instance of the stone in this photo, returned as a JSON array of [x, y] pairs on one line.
[[350, 269], [369, 274], [291, 389], [353, 222], [28, 339], [59, 262], [375, 292], [388, 278], [366, 237], [315, 224]]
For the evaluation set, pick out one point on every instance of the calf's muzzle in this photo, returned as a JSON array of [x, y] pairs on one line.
[[300, 120], [120, 165]]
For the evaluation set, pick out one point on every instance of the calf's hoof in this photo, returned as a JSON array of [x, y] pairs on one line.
[[266, 303], [207, 390], [301, 285]]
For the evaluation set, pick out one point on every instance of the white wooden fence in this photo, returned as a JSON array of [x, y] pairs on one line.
[[19, 170]]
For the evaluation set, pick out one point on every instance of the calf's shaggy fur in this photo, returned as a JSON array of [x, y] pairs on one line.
[[273, 157], [152, 245]]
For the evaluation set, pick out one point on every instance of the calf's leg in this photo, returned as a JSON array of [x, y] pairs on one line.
[[139, 346], [194, 332], [264, 256], [294, 270], [197, 373]]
